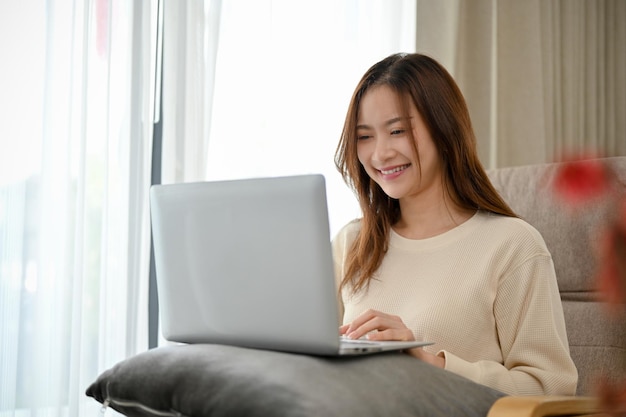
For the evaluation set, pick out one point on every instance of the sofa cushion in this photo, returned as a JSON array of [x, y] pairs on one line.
[[597, 344], [213, 380], [527, 189]]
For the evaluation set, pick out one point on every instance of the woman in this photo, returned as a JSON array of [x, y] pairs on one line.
[[438, 255]]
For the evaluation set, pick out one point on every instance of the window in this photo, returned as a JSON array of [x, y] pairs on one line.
[[284, 77]]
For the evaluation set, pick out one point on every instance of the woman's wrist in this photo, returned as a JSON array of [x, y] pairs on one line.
[[435, 360]]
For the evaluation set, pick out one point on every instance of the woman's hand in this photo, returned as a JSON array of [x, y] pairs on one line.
[[376, 325]]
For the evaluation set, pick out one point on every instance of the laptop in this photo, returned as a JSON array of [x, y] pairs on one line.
[[249, 263]]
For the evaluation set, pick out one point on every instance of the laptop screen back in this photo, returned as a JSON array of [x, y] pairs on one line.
[[246, 262]]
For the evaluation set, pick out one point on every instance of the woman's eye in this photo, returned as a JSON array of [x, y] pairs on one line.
[[397, 131], [362, 137]]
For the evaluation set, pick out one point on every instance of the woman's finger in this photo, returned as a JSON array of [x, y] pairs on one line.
[[403, 334], [373, 320], [369, 315], [364, 323]]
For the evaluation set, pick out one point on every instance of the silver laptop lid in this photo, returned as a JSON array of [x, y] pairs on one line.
[[246, 262]]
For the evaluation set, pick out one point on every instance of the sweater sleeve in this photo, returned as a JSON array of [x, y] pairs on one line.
[[532, 336]]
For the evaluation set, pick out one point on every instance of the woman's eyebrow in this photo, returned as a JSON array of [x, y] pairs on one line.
[[387, 123], [396, 120]]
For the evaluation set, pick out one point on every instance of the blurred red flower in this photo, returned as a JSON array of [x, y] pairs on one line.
[[581, 180]]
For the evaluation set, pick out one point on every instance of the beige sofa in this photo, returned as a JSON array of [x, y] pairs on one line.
[[597, 342]]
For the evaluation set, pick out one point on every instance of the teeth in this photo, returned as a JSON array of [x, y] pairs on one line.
[[396, 169]]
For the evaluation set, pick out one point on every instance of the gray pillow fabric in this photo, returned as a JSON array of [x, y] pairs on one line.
[[214, 380]]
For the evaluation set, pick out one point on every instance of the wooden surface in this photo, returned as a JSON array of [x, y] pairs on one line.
[[538, 406]]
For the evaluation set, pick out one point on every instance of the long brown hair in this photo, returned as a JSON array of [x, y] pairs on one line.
[[440, 102]]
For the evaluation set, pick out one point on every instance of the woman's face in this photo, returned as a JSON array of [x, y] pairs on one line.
[[385, 150]]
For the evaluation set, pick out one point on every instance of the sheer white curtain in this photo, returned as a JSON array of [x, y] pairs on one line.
[[76, 81], [191, 38], [283, 75]]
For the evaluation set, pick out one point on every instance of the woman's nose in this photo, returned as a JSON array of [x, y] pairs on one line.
[[383, 149]]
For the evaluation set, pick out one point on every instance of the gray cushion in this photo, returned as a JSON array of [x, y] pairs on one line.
[[597, 344], [212, 380]]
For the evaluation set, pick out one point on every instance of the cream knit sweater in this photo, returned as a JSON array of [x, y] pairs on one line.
[[484, 292]]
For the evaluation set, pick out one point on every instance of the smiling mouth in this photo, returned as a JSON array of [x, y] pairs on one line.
[[394, 170]]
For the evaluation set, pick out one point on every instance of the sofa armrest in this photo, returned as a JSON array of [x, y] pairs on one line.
[[539, 406]]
